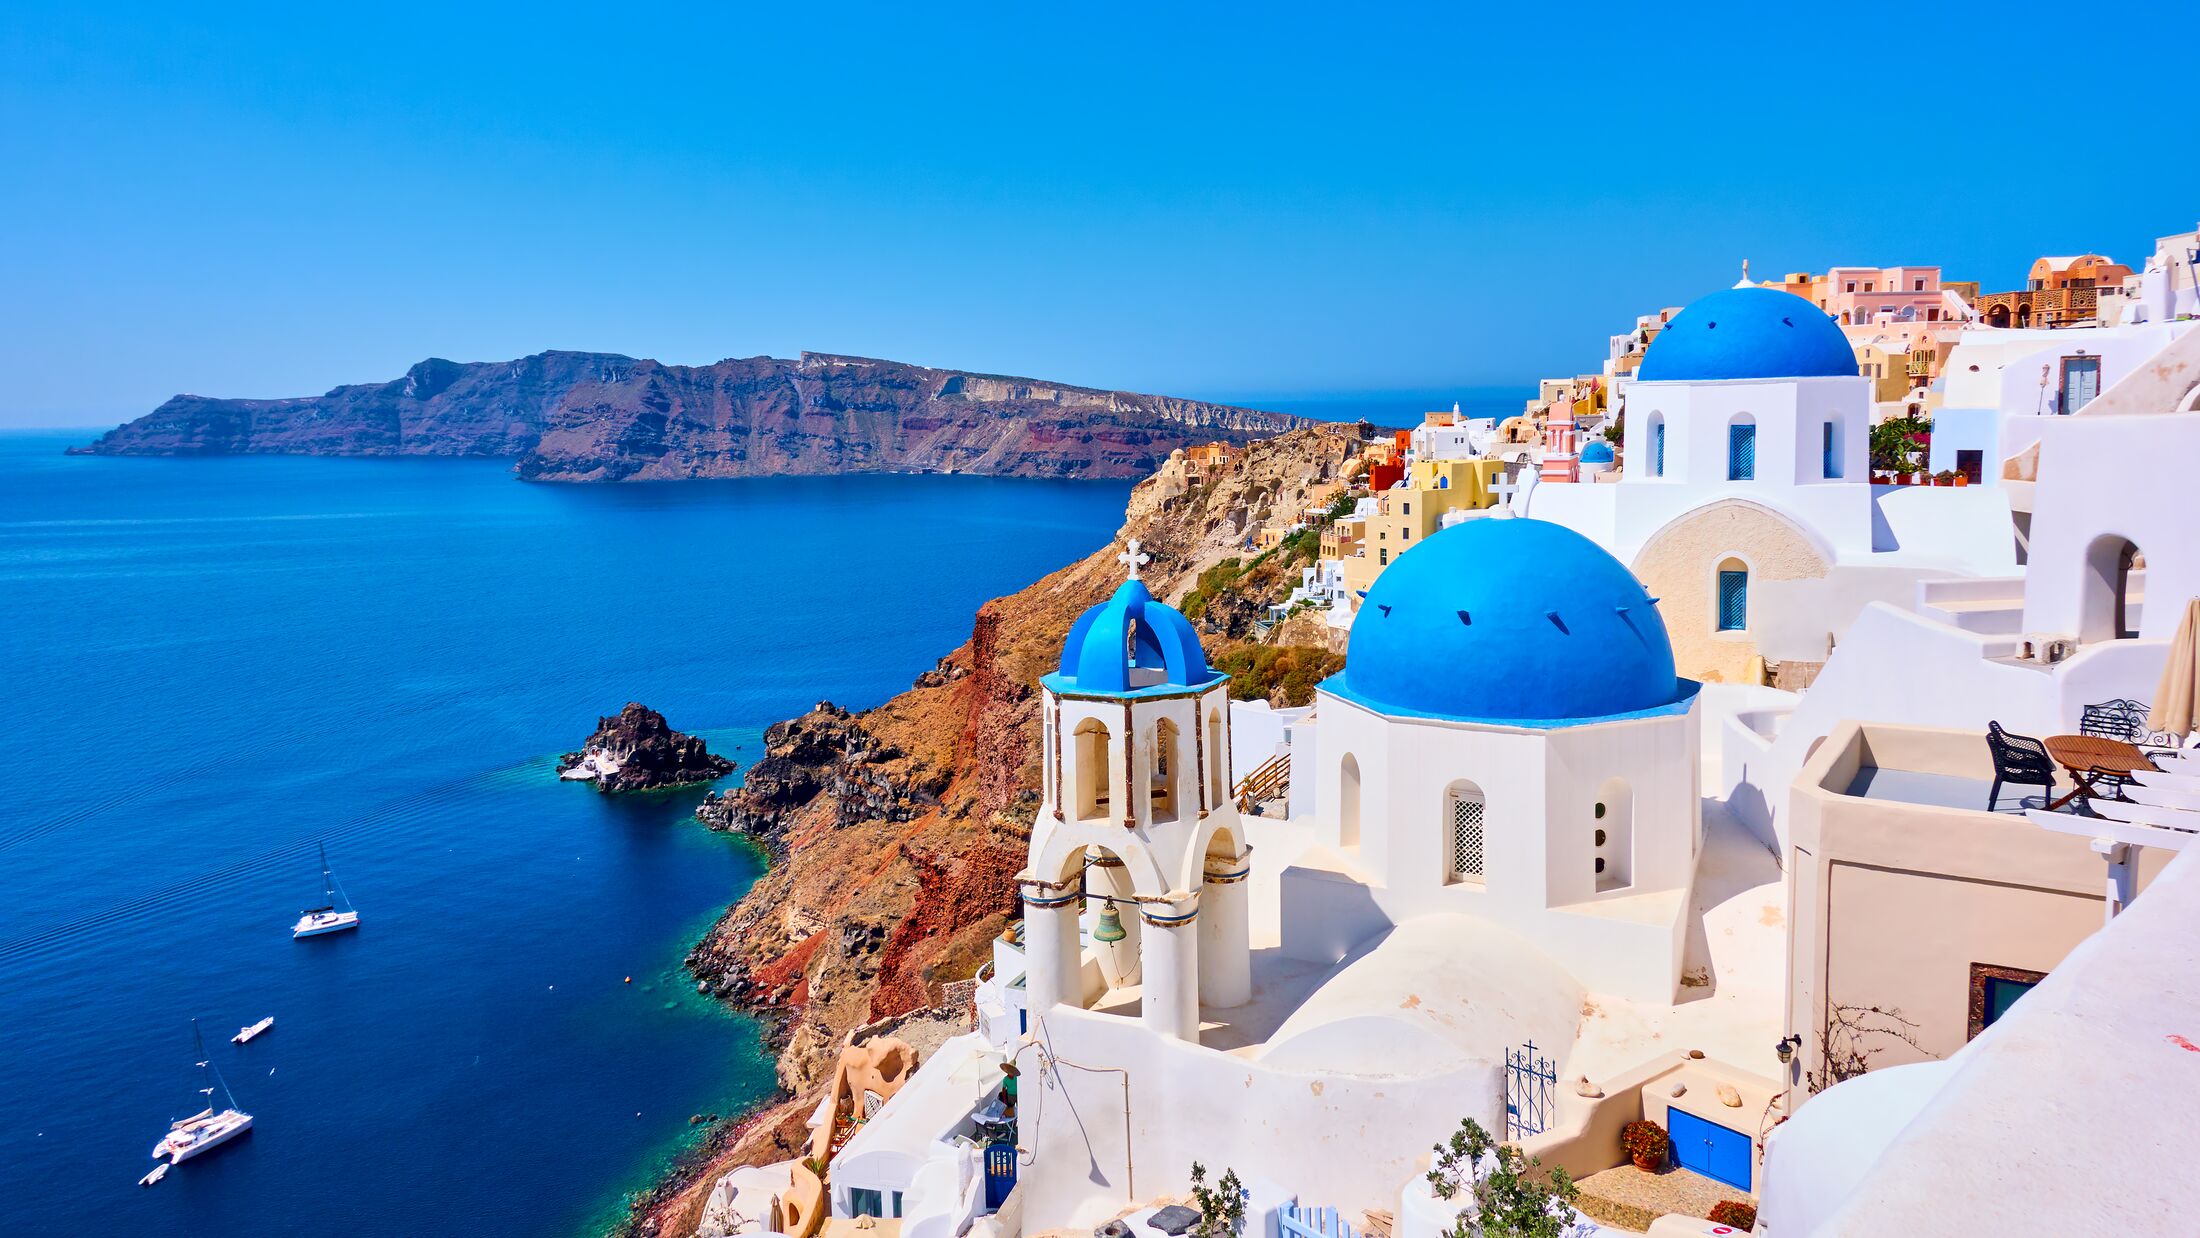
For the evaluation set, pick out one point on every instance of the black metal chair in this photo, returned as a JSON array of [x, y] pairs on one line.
[[2122, 719], [2019, 760], [2118, 719]]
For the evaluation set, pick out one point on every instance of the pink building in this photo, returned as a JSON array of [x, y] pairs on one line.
[[1856, 296]]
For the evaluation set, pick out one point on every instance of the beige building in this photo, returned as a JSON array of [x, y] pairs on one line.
[[1918, 915]]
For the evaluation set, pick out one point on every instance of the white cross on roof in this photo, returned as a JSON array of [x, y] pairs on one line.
[[1134, 558]]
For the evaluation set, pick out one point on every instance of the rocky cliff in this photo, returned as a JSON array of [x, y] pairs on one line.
[[569, 416], [637, 750], [896, 832]]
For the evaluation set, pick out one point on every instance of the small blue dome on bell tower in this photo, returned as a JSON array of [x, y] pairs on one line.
[[1131, 645]]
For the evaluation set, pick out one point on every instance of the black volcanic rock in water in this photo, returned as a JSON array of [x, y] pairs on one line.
[[566, 416], [636, 750]]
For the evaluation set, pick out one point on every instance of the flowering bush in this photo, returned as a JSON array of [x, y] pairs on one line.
[[1646, 1144], [1735, 1213]]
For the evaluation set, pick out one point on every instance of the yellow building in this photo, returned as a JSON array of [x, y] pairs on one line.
[[1407, 515], [1888, 370]]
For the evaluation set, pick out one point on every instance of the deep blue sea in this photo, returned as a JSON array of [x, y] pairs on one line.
[[211, 665]]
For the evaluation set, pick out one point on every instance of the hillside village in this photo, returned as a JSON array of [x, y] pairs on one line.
[[1744, 790]]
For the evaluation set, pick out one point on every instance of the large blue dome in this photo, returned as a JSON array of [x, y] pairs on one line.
[[1131, 644], [1513, 621], [1748, 333]]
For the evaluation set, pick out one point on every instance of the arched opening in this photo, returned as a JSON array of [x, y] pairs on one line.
[[1089, 753], [1613, 823], [1997, 316], [1108, 916], [1348, 801], [1162, 780], [2113, 589], [1218, 761], [1465, 836], [1730, 608], [1831, 449], [1657, 444], [1741, 448], [2024, 316]]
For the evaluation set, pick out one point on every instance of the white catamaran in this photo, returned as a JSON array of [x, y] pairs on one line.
[[187, 1137], [334, 915]]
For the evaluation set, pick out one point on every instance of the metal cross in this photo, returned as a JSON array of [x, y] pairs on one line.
[[1134, 558]]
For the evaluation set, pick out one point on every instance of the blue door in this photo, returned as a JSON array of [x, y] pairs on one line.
[[1709, 1149], [1000, 1174]]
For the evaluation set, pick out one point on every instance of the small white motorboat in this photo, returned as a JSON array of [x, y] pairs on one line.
[[334, 916], [206, 1129], [246, 1033], [159, 1171]]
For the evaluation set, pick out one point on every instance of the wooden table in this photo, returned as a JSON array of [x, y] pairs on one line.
[[2089, 758]]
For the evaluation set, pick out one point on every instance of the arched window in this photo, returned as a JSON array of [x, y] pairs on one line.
[[1348, 801], [1614, 836], [1465, 838], [1741, 448], [1657, 444], [1732, 603], [1090, 756], [1161, 781], [1833, 450]]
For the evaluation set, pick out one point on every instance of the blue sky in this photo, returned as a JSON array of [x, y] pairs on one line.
[[1248, 202]]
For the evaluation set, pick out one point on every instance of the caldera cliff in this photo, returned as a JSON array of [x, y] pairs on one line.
[[570, 416], [896, 832]]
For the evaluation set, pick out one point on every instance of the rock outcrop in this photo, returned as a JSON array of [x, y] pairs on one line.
[[897, 832], [569, 416], [635, 750]]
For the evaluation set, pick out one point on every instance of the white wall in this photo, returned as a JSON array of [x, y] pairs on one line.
[[1129, 1118], [2129, 477], [1539, 789]]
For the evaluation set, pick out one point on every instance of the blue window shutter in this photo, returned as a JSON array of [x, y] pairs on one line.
[[1741, 453], [1659, 435], [1733, 601], [1833, 453]]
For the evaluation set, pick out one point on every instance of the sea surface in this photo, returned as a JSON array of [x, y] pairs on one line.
[[213, 666]]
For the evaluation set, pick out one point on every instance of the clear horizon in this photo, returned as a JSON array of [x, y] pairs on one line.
[[272, 202]]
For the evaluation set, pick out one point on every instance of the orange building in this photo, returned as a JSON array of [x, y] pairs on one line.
[[2059, 292]]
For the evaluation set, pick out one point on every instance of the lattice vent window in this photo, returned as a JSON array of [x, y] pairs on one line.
[[1466, 837]]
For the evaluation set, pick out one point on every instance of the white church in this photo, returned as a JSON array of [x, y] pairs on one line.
[[1509, 824]]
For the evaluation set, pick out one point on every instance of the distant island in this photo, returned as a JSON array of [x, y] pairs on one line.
[[573, 416]]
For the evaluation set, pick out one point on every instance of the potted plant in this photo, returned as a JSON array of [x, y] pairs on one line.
[[1963, 479], [1734, 1212], [1945, 477], [1646, 1144]]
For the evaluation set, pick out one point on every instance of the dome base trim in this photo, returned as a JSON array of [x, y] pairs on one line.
[[1338, 686]]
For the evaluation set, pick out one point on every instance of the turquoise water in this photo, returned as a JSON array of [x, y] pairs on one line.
[[211, 664]]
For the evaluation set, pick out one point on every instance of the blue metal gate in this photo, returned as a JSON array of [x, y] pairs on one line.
[[1000, 1174], [1529, 1080], [1298, 1221]]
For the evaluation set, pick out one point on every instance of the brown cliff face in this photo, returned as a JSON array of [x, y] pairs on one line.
[[600, 417], [897, 832]]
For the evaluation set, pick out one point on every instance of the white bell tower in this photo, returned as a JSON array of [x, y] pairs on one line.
[[1137, 854]]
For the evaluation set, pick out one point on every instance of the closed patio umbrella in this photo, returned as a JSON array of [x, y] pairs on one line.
[[2175, 696]]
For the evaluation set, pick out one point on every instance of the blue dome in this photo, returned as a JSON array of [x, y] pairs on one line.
[[1748, 333], [1131, 644], [1597, 452], [1513, 621]]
